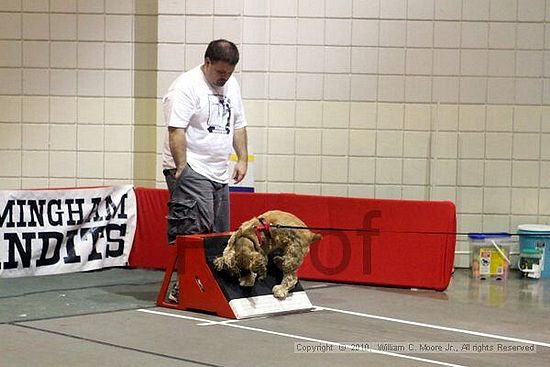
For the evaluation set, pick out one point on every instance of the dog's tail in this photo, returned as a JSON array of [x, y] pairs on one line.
[[315, 237]]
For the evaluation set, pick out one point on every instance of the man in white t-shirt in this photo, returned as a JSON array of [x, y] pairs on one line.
[[205, 118]]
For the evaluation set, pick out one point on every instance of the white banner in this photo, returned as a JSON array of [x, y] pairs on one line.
[[62, 231]]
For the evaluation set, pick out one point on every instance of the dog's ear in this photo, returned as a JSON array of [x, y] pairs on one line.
[[227, 262]]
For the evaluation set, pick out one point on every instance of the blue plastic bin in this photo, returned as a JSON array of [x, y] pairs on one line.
[[534, 239]]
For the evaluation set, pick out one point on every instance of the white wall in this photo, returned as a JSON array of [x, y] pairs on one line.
[[73, 111], [405, 99]]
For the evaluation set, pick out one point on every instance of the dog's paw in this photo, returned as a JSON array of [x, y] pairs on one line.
[[218, 263], [248, 280], [280, 292]]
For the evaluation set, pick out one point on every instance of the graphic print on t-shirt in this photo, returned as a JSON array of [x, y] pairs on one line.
[[219, 114]]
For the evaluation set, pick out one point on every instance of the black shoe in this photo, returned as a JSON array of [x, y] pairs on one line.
[[174, 293]]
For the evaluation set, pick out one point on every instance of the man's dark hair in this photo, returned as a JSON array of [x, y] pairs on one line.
[[222, 50]]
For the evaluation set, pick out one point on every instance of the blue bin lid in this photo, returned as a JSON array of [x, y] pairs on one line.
[[483, 236]]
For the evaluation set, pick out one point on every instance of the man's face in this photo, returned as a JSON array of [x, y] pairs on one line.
[[217, 73]]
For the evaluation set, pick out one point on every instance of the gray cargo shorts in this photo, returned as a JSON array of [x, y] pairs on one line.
[[197, 204]]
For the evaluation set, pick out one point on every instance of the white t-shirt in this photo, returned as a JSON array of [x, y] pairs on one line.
[[211, 115]]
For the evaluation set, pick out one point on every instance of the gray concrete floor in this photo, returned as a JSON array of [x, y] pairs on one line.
[[109, 318]]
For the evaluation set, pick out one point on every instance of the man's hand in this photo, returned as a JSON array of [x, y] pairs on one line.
[[179, 171], [240, 144], [239, 171]]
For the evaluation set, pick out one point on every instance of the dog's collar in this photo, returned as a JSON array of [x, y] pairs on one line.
[[264, 227]]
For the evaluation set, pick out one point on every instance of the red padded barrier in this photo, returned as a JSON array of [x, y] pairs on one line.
[[150, 249], [377, 257]]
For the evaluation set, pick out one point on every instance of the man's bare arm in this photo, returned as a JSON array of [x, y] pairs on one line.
[[240, 144], [178, 148]]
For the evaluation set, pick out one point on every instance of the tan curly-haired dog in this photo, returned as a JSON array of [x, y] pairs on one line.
[[245, 255]]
